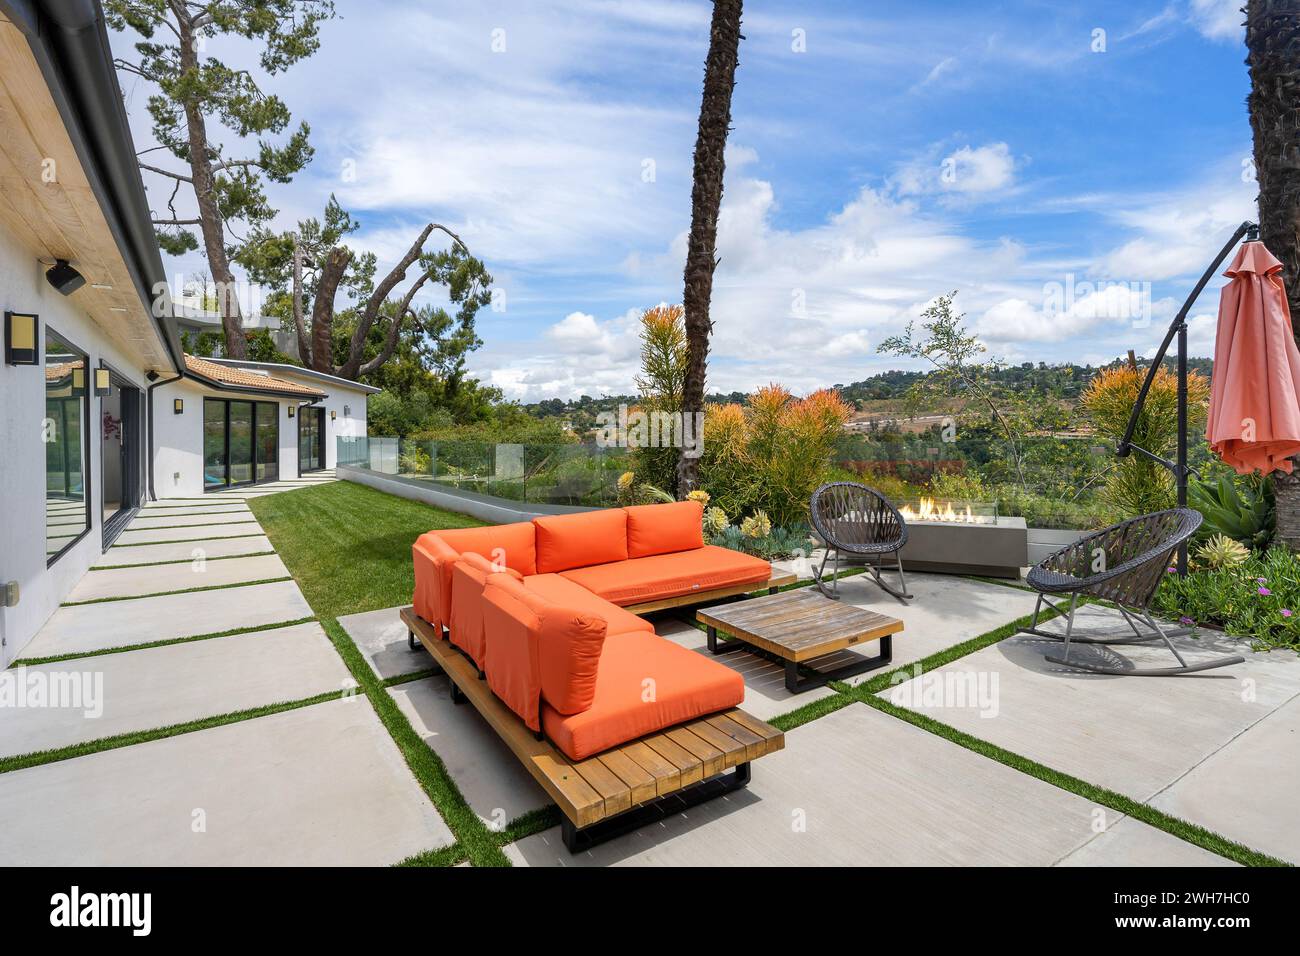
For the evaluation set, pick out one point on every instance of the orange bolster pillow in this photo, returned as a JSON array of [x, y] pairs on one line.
[[665, 528]]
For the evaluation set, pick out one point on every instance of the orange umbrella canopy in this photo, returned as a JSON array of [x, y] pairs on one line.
[[1254, 418]]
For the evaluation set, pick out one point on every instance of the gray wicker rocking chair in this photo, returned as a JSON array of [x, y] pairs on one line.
[[858, 520], [1132, 557]]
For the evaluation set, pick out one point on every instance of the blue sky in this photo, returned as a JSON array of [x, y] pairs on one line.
[[881, 154]]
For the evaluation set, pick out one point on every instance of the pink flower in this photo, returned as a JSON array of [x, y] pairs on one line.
[[1171, 570], [1261, 581], [1286, 612], [1186, 621], [1265, 592]]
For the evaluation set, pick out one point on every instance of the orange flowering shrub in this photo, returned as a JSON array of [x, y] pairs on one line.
[[771, 454]]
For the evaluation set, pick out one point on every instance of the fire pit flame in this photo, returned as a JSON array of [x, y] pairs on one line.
[[928, 509]]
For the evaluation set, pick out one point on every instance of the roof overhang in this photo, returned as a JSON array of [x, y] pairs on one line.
[[289, 391], [281, 368], [60, 101]]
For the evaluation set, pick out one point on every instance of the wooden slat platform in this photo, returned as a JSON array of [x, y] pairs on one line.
[[618, 780], [778, 580]]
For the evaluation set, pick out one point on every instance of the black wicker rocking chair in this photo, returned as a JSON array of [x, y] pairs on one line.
[[858, 520], [1122, 564]]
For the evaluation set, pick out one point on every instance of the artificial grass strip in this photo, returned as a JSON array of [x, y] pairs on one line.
[[154, 564], [80, 655], [410, 678], [443, 856], [208, 537], [203, 587], [1190, 832], [530, 823], [41, 757]]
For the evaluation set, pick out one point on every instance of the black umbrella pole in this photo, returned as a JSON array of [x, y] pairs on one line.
[[1182, 437]]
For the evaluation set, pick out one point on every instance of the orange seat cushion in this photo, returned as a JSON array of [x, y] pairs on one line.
[[577, 540], [644, 684], [663, 529], [468, 577], [560, 590], [539, 649], [671, 575], [512, 545]]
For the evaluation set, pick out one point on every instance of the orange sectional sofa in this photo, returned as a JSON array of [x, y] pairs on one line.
[[539, 607]]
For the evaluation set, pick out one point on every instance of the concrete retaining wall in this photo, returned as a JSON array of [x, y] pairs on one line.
[[484, 507]]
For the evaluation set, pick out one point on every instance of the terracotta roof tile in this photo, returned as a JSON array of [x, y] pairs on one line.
[[226, 375]]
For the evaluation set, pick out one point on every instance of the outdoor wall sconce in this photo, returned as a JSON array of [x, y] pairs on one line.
[[292, 410], [20, 338], [333, 415], [78, 381], [347, 410], [103, 382], [178, 406]]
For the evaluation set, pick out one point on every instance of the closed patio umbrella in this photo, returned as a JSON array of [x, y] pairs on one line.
[[1254, 416]]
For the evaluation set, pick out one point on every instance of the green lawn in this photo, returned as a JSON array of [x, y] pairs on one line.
[[349, 546]]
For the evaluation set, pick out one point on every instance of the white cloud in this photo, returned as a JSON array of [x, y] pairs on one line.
[[968, 171], [1218, 19]]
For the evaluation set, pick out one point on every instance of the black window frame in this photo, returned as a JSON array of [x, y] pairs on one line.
[[86, 469], [253, 444]]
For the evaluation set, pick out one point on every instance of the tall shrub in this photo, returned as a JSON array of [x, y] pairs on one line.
[[1136, 485], [663, 372], [771, 454]]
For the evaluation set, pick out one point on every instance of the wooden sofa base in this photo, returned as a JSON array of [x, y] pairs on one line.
[[621, 789]]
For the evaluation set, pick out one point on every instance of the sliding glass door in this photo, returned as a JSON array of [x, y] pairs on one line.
[[311, 439], [241, 442]]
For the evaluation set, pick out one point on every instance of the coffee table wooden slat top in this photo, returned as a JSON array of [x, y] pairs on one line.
[[799, 625]]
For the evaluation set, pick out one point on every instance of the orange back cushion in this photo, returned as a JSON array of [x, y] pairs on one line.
[[663, 529], [510, 544], [569, 643], [579, 540]]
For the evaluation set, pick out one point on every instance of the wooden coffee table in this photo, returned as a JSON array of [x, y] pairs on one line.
[[797, 627]]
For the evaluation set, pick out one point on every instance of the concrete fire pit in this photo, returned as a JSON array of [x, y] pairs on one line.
[[994, 547]]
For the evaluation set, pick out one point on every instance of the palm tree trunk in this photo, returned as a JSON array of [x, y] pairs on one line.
[[706, 199], [1272, 37]]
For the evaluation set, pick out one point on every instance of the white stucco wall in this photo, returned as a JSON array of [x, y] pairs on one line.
[[22, 453], [178, 445], [351, 424]]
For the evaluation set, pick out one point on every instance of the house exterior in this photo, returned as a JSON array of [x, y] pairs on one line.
[[100, 409], [287, 417]]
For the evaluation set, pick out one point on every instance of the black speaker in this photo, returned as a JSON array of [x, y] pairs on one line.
[[64, 278]]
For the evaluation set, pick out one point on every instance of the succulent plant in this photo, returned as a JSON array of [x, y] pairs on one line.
[[1222, 552], [715, 520], [757, 525]]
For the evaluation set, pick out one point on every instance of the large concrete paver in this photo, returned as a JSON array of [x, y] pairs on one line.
[[490, 777], [1132, 843], [380, 636], [161, 686], [1134, 735], [184, 550], [151, 520], [91, 627], [1247, 791], [133, 582], [189, 533], [317, 786], [946, 610], [859, 787]]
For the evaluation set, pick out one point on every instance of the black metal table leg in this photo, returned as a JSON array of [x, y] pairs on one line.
[[797, 685], [723, 647]]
